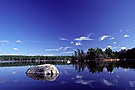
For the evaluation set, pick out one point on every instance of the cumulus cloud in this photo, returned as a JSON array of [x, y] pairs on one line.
[[103, 49], [114, 42], [109, 46], [104, 37], [62, 38], [57, 49], [15, 49], [71, 42], [78, 43], [4, 41], [83, 38], [123, 48], [126, 36], [111, 38], [19, 41]]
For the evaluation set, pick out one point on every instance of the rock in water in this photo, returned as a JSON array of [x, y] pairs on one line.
[[46, 72]]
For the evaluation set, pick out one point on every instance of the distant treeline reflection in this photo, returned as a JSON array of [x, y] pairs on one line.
[[98, 66], [33, 63]]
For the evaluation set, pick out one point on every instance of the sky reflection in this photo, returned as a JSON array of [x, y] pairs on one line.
[[121, 79]]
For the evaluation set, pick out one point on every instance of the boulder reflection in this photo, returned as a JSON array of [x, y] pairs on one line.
[[46, 72], [42, 77]]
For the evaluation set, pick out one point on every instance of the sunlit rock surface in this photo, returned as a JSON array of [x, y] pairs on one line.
[[45, 72]]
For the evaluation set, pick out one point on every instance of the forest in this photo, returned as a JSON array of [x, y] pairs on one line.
[[22, 57], [99, 54]]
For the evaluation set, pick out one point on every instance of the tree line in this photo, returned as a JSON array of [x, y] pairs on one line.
[[95, 53], [21, 57], [98, 67], [99, 54], [127, 54]]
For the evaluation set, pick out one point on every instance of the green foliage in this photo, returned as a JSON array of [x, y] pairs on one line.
[[95, 54], [20, 57], [109, 52]]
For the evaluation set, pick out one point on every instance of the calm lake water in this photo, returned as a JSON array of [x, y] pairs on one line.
[[75, 76]]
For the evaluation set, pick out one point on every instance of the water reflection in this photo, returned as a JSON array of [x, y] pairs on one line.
[[31, 63], [92, 66], [42, 77], [122, 77], [98, 67], [46, 72]]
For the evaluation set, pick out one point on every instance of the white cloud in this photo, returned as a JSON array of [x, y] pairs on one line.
[[71, 42], [58, 49], [107, 83], [65, 48], [16, 49], [70, 52], [62, 38], [83, 38], [19, 41], [114, 42], [78, 43], [103, 49], [49, 55], [120, 30], [123, 47], [111, 38], [4, 41], [104, 37], [115, 47], [109, 46], [126, 36]]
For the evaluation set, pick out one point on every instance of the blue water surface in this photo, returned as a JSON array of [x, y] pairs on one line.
[[69, 78]]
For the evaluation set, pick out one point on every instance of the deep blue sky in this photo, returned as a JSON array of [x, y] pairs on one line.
[[58, 27]]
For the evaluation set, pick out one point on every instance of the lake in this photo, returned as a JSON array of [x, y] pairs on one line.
[[72, 76]]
